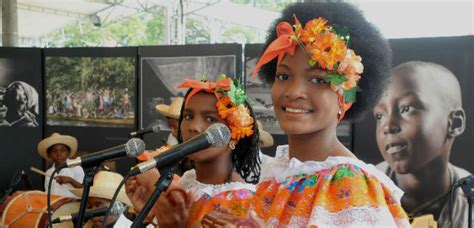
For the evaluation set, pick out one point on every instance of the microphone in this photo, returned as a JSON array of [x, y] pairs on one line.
[[132, 148], [155, 128], [216, 135], [117, 209]]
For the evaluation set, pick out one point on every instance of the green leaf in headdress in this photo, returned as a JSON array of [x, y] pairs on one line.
[[297, 27], [219, 90], [336, 79], [350, 95], [342, 32], [236, 93]]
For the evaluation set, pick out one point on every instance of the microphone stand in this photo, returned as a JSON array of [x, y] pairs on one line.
[[166, 177], [15, 180], [139, 136], [89, 173], [468, 187]]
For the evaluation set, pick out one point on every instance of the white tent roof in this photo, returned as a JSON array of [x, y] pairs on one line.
[[37, 18]]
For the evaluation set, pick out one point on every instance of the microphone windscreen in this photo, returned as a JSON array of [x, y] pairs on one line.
[[155, 128], [117, 209], [135, 147], [218, 134]]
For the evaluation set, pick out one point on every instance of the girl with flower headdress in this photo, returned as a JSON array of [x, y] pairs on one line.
[[223, 177], [326, 63]]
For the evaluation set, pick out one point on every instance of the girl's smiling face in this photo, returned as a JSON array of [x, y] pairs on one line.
[[303, 101]]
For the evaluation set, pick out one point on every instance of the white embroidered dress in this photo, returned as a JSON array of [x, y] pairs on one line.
[[338, 192]]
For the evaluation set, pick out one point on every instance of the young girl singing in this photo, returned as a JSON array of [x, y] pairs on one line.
[[222, 176]]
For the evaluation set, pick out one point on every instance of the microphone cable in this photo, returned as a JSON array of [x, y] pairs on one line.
[[114, 198], [48, 197]]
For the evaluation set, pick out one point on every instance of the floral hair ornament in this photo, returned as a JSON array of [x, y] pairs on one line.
[[230, 103], [326, 46]]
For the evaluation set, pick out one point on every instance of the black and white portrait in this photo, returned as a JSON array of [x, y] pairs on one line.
[[19, 104]]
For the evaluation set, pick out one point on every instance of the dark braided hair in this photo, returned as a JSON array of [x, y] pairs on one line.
[[365, 40], [245, 156]]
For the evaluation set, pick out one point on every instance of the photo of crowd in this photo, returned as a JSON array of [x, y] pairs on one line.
[[102, 95]]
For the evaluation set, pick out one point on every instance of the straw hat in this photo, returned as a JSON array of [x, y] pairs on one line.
[[265, 138], [54, 139], [105, 184], [173, 110]]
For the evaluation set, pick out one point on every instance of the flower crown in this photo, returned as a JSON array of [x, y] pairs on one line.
[[327, 46], [230, 103]]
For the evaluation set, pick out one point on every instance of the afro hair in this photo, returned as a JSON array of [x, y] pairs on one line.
[[365, 39]]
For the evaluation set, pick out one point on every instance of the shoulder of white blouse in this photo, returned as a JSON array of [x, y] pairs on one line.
[[189, 183]]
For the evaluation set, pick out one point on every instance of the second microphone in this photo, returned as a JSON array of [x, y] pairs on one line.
[[216, 135]]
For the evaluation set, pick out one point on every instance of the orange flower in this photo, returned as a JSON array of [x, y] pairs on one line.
[[241, 132], [237, 117], [351, 82], [351, 64], [313, 28], [240, 117], [224, 106], [327, 50]]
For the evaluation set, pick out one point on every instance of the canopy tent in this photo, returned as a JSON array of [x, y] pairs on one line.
[[38, 18]]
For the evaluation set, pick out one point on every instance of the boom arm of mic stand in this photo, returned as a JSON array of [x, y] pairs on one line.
[[161, 186]]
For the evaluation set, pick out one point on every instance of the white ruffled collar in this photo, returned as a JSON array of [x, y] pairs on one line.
[[189, 182], [282, 167]]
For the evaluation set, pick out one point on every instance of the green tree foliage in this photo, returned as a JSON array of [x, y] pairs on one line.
[[239, 34], [143, 28], [197, 30], [83, 73], [147, 28]]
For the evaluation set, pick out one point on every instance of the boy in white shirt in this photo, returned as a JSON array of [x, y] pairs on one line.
[[57, 148]]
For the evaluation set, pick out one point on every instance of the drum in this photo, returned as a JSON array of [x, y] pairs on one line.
[[29, 209]]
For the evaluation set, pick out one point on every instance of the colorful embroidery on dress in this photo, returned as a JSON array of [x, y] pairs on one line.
[[334, 191]]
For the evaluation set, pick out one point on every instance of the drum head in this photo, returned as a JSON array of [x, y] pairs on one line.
[[29, 209]]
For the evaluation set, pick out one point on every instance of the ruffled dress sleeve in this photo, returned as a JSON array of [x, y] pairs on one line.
[[338, 192]]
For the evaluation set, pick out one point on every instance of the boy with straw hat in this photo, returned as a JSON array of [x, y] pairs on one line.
[[265, 139], [56, 149], [100, 195], [171, 113]]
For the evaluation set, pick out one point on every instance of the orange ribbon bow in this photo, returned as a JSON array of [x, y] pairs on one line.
[[284, 44], [209, 87]]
